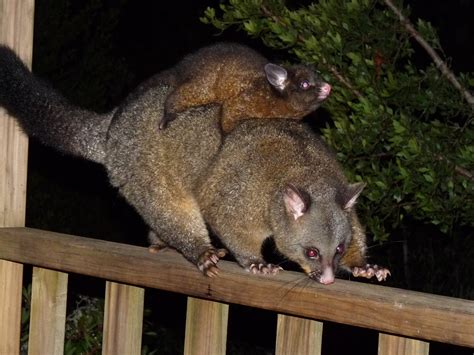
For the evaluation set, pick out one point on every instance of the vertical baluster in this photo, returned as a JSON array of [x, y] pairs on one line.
[[123, 319], [298, 336], [395, 345], [206, 327], [48, 312]]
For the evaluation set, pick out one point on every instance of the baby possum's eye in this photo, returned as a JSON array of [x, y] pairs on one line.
[[340, 249], [305, 85], [312, 253]]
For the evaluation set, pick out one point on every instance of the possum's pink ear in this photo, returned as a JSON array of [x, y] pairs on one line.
[[277, 76], [296, 201], [351, 194]]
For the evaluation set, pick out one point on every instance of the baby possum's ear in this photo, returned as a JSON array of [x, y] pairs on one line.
[[277, 76]]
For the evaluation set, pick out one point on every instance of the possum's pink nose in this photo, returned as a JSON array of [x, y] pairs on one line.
[[327, 277], [324, 91]]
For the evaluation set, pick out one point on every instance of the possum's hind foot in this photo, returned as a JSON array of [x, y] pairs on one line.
[[368, 271], [167, 117], [156, 244], [264, 269], [156, 248], [207, 261]]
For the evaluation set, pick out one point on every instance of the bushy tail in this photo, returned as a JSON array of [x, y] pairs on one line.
[[45, 114]]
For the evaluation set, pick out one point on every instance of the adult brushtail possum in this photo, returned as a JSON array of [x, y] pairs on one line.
[[279, 179], [265, 178], [245, 83]]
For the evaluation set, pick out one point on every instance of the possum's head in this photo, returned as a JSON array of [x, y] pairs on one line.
[[303, 90], [318, 229]]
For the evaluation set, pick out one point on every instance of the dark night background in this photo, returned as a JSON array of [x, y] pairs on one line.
[[97, 51]]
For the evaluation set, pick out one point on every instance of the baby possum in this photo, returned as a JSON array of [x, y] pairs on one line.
[[244, 83]]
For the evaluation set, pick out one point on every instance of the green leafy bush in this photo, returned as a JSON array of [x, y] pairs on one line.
[[84, 327]]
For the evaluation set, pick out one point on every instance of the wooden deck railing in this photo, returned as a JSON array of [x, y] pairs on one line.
[[411, 318]]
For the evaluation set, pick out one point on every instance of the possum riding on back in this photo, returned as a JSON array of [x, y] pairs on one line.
[[244, 83], [264, 178]]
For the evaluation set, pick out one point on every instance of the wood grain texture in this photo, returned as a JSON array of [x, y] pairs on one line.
[[394, 345], [389, 310], [48, 312], [11, 275], [206, 327], [123, 319], [298, 336], [16, 30]]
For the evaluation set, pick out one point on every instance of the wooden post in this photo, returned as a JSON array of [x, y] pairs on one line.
[[16, 30], [395, 345], [123, 319], [48, 312], [206, 327], [298, 336]]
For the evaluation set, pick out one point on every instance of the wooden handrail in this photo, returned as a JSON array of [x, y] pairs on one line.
[[390, 310]]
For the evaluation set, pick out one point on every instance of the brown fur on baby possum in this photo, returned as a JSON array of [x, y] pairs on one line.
[[244, 83]]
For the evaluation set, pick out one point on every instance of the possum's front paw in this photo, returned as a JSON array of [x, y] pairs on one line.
[[368, 271], [264, 269], [207, 261]]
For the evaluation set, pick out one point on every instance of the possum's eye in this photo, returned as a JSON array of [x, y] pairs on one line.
[[312, 253], [305, 85], [340, 249]]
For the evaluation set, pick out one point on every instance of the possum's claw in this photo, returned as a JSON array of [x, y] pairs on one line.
[[368, 271], [207, 261], [264, 269]]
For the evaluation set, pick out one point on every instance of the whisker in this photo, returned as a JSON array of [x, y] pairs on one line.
[[290, 286]]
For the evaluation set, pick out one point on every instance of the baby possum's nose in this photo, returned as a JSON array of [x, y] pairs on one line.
[[324, 91]]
